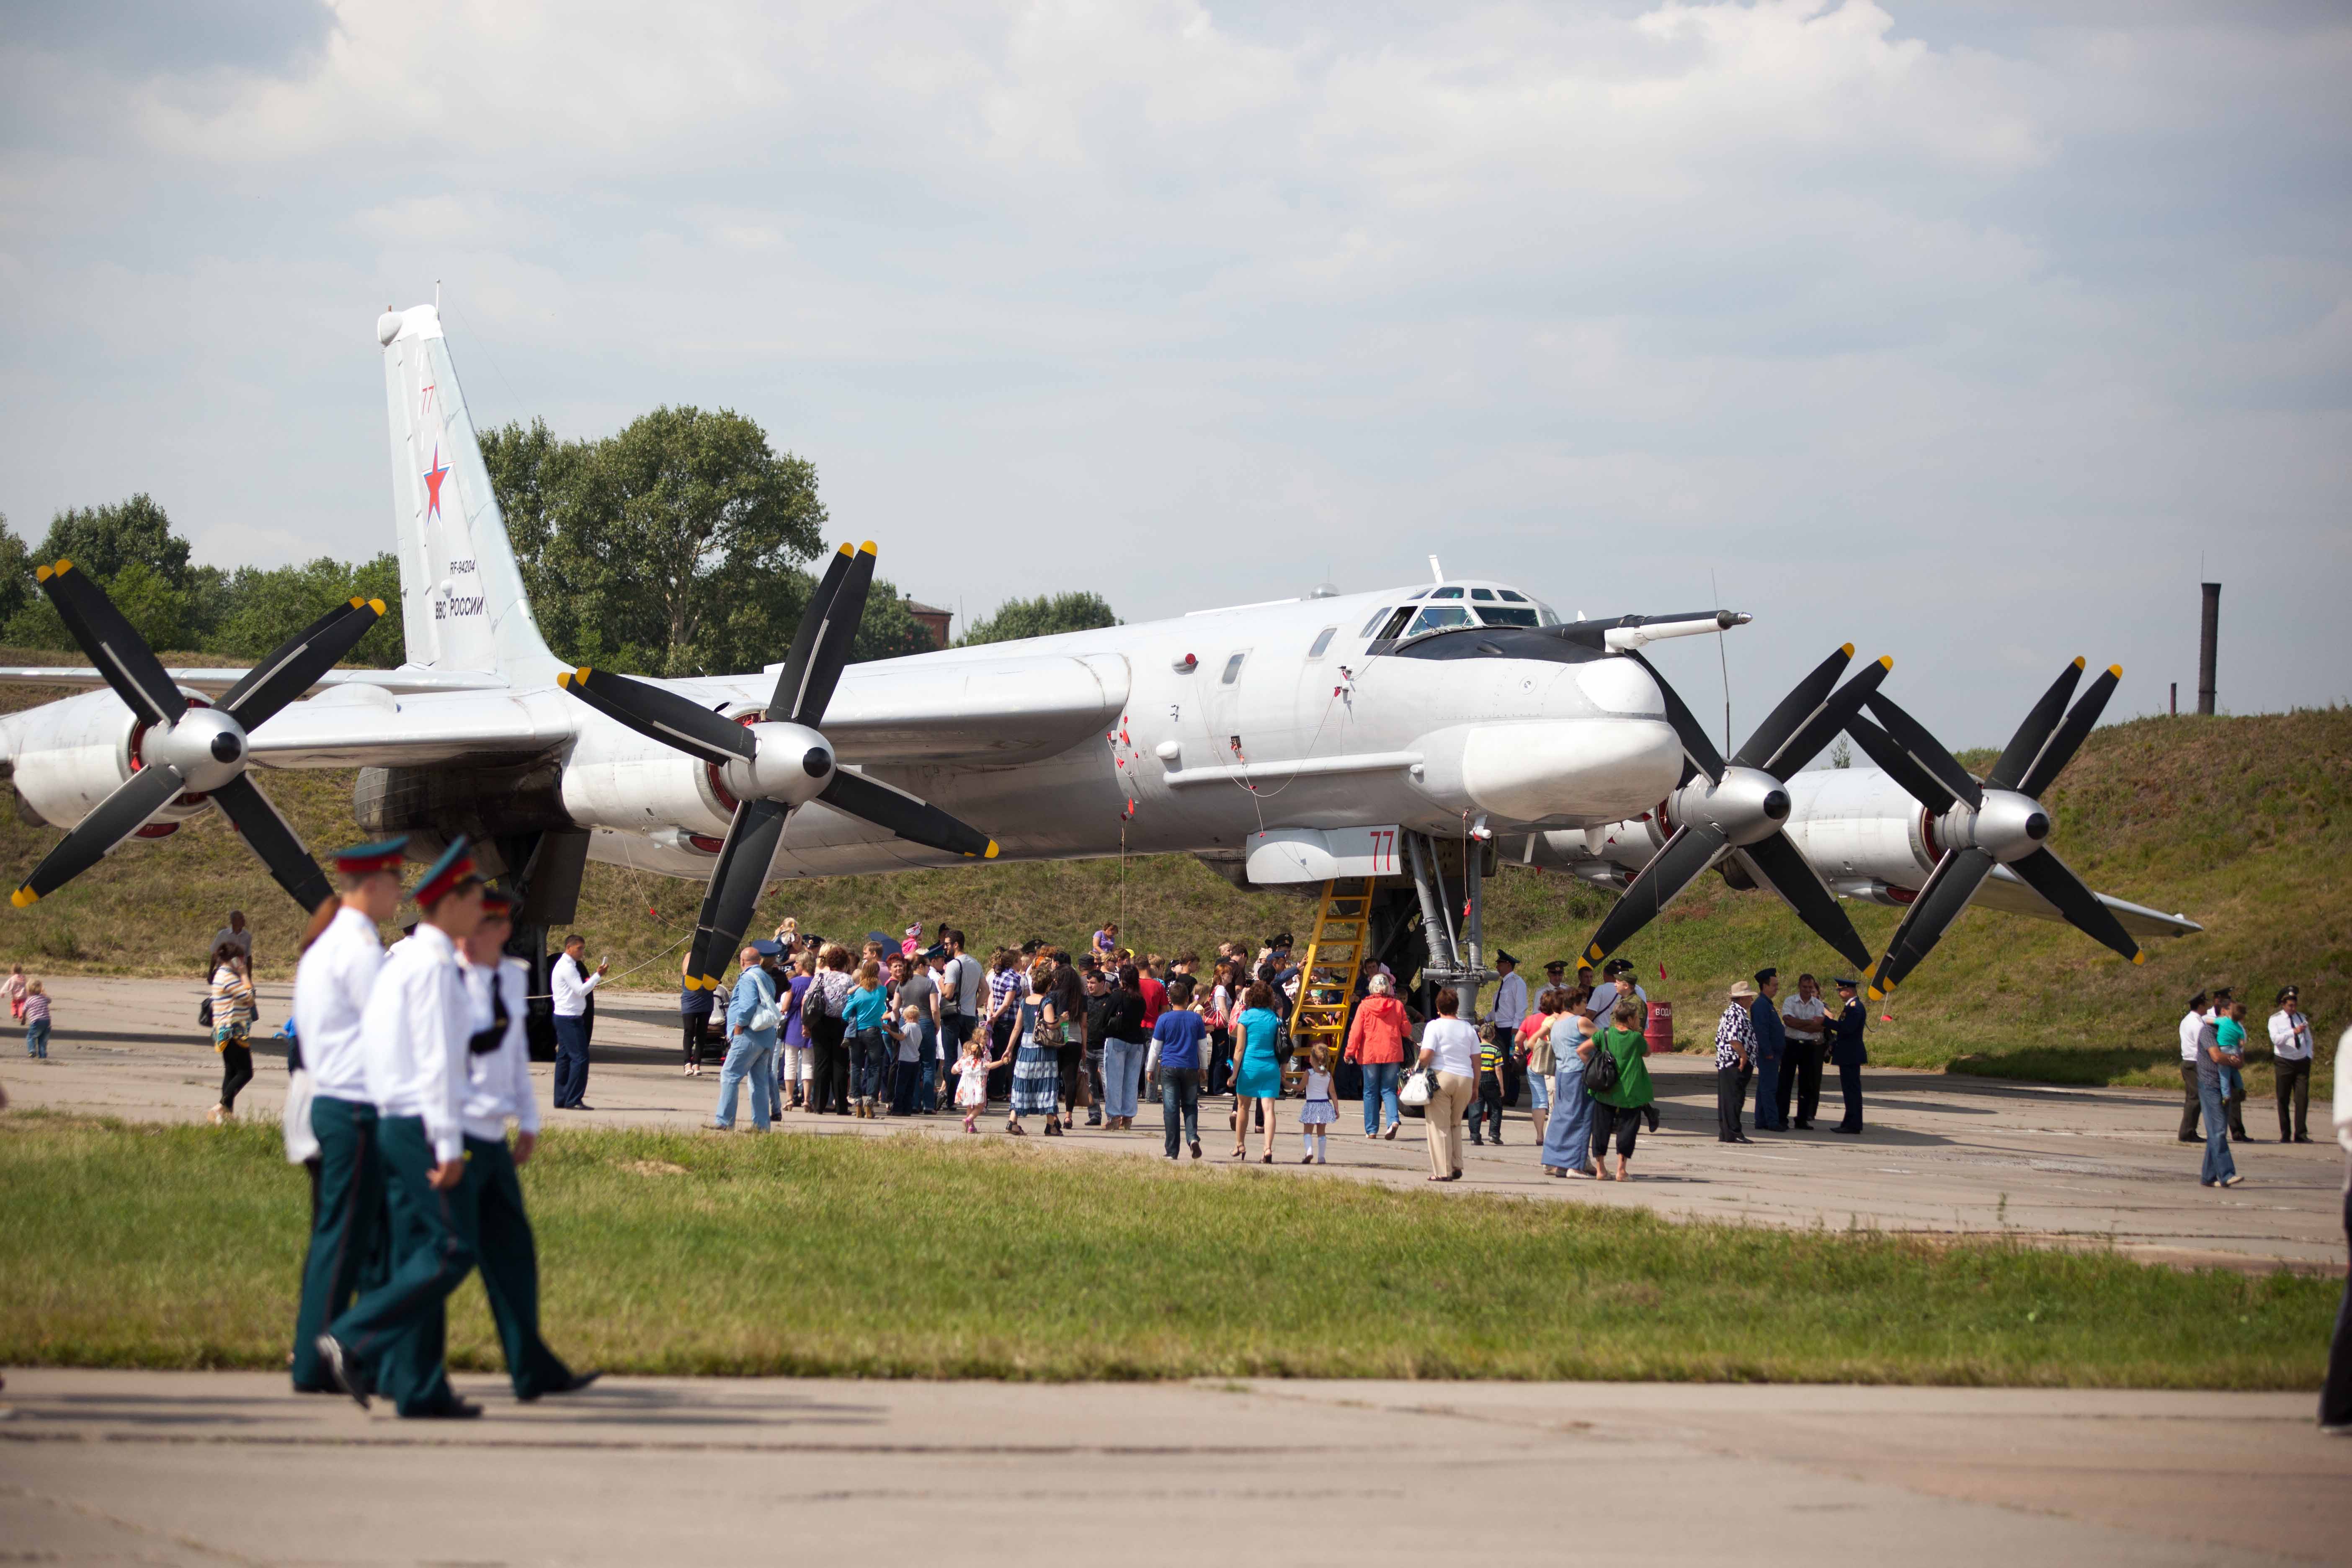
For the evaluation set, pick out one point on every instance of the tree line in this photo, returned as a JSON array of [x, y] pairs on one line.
[[684, 545]]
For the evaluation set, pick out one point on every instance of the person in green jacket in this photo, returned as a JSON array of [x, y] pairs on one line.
[[1618, 1109]]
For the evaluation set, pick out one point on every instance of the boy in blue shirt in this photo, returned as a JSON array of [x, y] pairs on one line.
[[1176, 1041]]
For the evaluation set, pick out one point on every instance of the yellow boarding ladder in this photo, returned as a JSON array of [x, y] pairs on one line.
[[1328, 978]]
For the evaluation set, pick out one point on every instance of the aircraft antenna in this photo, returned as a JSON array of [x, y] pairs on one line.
[[1724, 659], [1436, 573]]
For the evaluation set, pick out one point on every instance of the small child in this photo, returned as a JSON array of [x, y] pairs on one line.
[[1319, 1113], [2229, 1033], [1488, 1106], [16, 991], [906, 1081], [37, 1021], [972, 1081]]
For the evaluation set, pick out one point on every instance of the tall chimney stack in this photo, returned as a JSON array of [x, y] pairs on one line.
[[2208, 642]]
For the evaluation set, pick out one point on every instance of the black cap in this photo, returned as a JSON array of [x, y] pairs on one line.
[[2287, 993], [1555, 964], [1502, 955], [1847, 985], [2196, 1003], [1619, 966], [2223, 994], [1767, 972]]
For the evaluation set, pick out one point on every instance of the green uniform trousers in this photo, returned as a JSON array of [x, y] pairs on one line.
[[396, 1331], [490, 1220], [347, 1229]]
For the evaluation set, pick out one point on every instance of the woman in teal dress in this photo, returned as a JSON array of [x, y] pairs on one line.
[[1258, 1074]]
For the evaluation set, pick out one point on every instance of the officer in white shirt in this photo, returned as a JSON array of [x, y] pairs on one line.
[[489, 1202], [574, 990], [1805, 1017], [413, 1038], [1510, 1006], [2199, 1015], [2291, 1050], [337, 972]]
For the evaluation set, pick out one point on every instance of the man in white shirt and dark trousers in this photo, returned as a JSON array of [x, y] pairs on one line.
[[415, 1037], [488, 1202], [333, 981], [575, 1012], [2291, 1054], [1805, 1018], [2191, 1022], [1507, 1013]]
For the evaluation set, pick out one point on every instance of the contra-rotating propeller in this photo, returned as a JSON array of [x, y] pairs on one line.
[[183, 750], [1736, 808], [1976, 826], [777, 764]]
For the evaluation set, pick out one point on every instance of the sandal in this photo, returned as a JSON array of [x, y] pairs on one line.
[[1014, 1128]]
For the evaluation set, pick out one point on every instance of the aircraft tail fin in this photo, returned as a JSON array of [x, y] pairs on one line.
[[462, 602]]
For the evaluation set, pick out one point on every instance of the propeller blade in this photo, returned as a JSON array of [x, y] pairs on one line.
[[792, 681], [1778, 865], [2027, 743], [266, 835], [1782, 722], [2062, 746], [1950, 886], [1827, 720], [1676, 866], [661, 715], [735, 884], [120, 653], [117, 817], [2049, 877], [1897, 764], [914, 820], [1687, 729], [299, 662], [831, 653], [1928, 751]]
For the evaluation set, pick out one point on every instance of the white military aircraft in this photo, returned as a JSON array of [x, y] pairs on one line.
[[1291, 741]]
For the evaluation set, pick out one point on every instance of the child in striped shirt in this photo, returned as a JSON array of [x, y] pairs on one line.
[[1488, 1106], [37, 1021]]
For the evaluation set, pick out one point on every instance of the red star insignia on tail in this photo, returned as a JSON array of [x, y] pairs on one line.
[[433, 477]]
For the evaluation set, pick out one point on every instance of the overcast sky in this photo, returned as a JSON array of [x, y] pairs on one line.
[[1962, 331]]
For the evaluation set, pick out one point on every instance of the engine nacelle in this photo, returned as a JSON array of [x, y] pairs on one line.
[[616, 778], [70, 755]]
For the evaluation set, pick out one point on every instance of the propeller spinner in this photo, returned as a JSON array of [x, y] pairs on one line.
[[1736, 808], [184, 750], [1998, 822], [778, 764]]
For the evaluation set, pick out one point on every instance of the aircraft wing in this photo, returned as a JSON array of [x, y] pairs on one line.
[[213, 682], [965, 708], [2010, 893], [363, 726]]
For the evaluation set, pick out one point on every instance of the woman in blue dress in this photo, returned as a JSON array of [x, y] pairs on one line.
[[1036, 1057], [1257, 1070], [1569, 1133]]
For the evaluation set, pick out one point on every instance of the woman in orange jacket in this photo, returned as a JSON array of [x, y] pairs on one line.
[[1376, 1043]]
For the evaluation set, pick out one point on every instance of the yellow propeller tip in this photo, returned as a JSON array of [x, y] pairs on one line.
[[849, 550], [1887, 661], [63, 567], [563, 678], [1876, 995], [357, 601], [24, 897], [1847, 649], [866, 548], [2078, 661], [1593, 954], [582, 672], [42, 573], [990, 853], [2117, 670], [710, 983], [2140, 958]]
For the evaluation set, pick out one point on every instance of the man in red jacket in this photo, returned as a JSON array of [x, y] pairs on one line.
[[1376, 1043]]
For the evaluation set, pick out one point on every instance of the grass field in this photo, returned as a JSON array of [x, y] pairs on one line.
[[2245, 824], [901, 1257]]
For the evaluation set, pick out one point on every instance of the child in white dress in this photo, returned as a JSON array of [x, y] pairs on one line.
[[1319, 1113], [972, 1081]]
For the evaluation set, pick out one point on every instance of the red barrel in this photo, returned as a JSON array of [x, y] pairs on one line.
[[1659, 1033]]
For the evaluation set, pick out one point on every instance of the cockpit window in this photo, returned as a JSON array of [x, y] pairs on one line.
[[1506, 615], [1378, 616], [1512, 595], [1446, 593], [1395, 629], [1550, 616], [1437, 618], [1487, 594]]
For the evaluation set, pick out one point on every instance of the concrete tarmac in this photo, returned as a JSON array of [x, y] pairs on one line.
[[209, 1468], [1942, 1154]]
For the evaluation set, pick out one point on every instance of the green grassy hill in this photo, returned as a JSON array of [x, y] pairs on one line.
[[2243, 823]]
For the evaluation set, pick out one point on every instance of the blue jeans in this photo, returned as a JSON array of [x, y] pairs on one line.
[[1538, 1091], [926, 1088], [36, 1039], [869, 1064], [1381, 1095], [1767, 1095], [753, 1056], [1122, 1068], [571, 1060], [1180, 1101], [2219, 1165]]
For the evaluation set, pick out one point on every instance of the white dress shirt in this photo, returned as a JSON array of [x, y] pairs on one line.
[[497, 1081], [2191, 1022], [332, 984], [1511, 1002], [413, 1034], [572, 983], [2290, 1036], [1805, 1019]]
